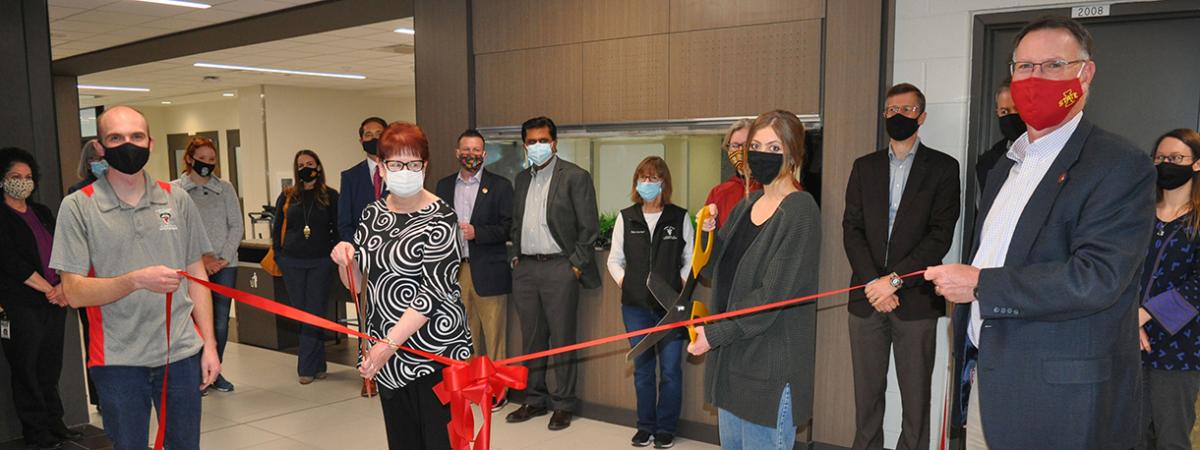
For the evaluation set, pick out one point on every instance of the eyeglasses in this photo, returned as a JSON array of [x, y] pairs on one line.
[[896, 109], [1049, 67], [735, 146], [396, 166], [1173, 159]]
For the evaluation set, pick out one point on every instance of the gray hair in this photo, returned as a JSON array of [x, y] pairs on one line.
[[740, 124], [86, 153]]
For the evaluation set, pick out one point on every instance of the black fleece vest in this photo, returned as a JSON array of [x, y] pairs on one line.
[[661, 255]]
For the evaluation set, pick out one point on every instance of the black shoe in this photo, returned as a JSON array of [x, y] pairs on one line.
[[664, 440], [224, 385], [66, 434], [525, 412], [641, 438], [560, 420], [500, 404], [44, 442], [204, 392]]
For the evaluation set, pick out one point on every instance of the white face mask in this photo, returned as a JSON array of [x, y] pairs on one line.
[[539, 153], [405, 183]]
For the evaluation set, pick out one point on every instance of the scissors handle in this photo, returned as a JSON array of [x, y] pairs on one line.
[[701, 253]]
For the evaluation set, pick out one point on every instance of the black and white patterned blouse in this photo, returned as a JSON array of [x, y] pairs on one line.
[[412, 261]]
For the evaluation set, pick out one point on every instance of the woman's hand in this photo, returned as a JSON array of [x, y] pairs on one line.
[[211, 264], [56, 296], [376, 358], [710, 222], [701, 346], [342, 254]]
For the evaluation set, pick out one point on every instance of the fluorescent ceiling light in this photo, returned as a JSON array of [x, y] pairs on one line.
[[228, 94], [166, 102], [182, 3], [282, 71], [113, 88], [405, 30]]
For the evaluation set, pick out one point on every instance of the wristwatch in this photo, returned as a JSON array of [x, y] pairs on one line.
[[895, 280]]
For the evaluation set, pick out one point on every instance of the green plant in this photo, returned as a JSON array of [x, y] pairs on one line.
[[607, 222]]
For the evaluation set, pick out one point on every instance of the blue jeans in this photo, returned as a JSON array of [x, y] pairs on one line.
[[126, 393], [738, 434], [224, 277], [657, 407]]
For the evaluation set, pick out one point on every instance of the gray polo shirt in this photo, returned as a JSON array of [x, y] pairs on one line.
[[101, 232]]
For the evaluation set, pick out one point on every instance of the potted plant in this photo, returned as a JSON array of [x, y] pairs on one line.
[[607, 222]]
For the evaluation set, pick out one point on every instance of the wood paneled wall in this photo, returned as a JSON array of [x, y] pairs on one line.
[[589, 61], [853, 39], [444, 94]]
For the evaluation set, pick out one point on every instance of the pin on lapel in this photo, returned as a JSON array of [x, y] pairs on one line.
[[484, 190], [1062, 178]]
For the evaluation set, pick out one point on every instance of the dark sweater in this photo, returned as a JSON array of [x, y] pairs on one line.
[[753, 357], [21, 257], [322, 223]]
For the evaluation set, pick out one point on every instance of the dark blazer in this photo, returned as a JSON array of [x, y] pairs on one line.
[[20, 258], [571, 213], [921, 235], [1059, 351], [988, 160], [492, 218], [357, 191]]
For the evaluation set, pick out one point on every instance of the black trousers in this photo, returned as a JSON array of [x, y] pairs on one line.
[[871, 338], [1168, 408], [414, 417], [307, 284], [35, 355], [546, 294]]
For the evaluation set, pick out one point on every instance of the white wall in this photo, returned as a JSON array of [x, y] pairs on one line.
[[325, 121], [933, 51]]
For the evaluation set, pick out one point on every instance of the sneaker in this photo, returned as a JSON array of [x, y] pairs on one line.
[[222, 384], [500, 404], [204, 392], [641, 439], [664, 440]]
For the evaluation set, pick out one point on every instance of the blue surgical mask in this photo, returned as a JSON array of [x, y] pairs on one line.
[[98, 168], [539, 153], [649, 190]]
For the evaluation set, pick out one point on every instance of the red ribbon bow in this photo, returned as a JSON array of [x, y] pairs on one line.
[[479, 381]]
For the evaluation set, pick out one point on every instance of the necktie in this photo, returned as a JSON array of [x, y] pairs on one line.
[[378, 182]]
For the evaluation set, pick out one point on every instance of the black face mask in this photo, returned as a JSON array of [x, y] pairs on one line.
[[1012, 127], [307, 174], [202, 168], [764, 166], [127, 158], [1171, 176], [901, 127], [371, 146]]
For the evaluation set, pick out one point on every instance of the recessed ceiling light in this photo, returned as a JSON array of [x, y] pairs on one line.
[[405, 30], [166, 102], [113, 88], [282, 71], [182, 3], [228, 94]]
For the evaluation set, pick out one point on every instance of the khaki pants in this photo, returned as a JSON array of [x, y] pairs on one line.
[[974, 437], [486, 317]]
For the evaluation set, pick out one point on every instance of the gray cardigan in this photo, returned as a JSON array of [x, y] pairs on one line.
[[753, 357]]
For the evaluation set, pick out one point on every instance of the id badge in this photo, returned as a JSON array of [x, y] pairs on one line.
[[5, 328]]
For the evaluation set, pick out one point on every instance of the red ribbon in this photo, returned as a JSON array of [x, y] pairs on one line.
[[481, 380]]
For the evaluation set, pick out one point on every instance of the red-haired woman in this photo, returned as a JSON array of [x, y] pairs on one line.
[[222, 216], [303, 254], [652, 238], [406, 246]]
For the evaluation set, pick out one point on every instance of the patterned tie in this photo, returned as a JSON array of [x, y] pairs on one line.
[[378, 182]]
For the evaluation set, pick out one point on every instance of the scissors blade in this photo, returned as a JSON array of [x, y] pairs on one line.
[[680, 309]]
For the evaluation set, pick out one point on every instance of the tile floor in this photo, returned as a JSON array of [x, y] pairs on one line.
[[270, 410]]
